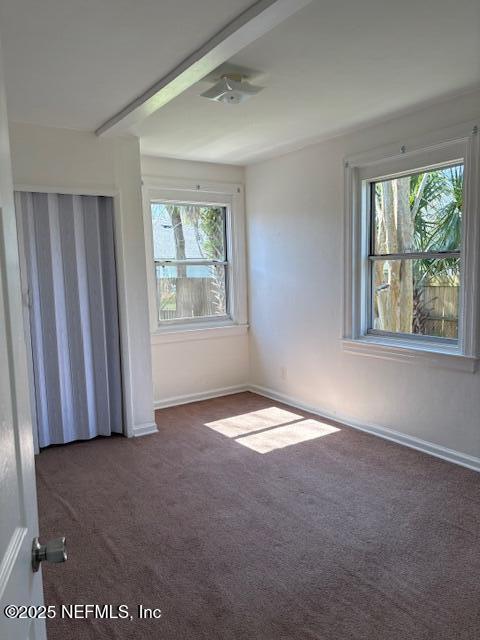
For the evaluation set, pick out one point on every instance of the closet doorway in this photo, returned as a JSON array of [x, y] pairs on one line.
[[69, 280]]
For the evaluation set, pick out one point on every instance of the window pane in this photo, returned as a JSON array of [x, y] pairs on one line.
[[416, 296], [420, 212], [187, 231], [190, 291]]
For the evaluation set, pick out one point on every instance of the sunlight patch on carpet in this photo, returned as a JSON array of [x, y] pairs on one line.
[[286, 435], [235, 426]]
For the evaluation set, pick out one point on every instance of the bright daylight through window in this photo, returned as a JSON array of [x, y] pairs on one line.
[[191, 262], [415, 253]]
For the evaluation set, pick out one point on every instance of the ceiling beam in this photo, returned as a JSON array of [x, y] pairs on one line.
[[254, 22]]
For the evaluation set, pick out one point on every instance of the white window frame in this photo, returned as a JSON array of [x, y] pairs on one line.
[[459, 144], [229, 196]]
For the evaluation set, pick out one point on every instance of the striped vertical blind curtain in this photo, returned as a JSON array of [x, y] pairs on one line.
[[70, 262]]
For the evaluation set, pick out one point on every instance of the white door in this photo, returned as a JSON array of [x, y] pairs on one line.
[[19, 585]]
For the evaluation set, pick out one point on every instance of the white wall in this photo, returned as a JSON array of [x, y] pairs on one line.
[[45, 158], [294, 231], [183, 371], [188, 369], [171, 168]]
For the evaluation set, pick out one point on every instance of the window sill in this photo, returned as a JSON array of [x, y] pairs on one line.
[[404, 351], [188, 332]]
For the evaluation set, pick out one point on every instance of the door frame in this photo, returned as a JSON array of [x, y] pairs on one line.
[[125, 341]]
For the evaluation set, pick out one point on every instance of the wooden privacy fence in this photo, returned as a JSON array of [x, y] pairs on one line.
[[194, 297], [441, 305]]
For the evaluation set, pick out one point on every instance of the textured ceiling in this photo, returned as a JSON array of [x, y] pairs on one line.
[[74, 63], [333, 66]]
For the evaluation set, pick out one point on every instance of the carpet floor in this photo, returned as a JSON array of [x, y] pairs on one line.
[[245, 519]]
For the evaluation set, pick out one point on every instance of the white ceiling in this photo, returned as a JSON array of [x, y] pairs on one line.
[[74, 63], [334, 65]]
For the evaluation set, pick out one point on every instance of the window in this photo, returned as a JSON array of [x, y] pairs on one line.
[[412, 235], [195, 250], [191, 261], [415, 253]]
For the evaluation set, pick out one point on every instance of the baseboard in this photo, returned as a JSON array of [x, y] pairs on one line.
[[450, 455], [196, 397], [144, 429], [436, 450]]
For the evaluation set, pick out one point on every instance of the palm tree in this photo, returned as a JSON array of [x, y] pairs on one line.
[[420, 213], [436, 199], [211, 224]]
